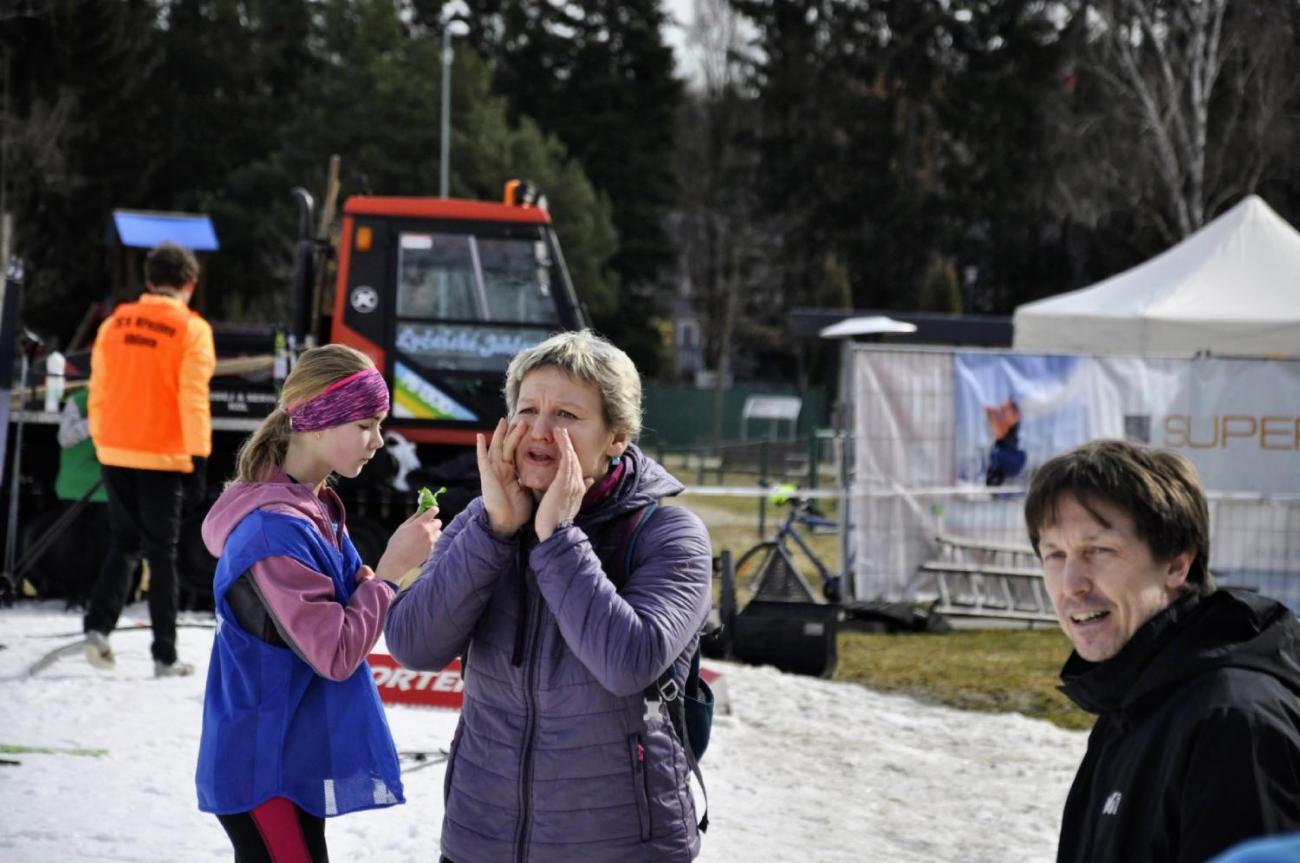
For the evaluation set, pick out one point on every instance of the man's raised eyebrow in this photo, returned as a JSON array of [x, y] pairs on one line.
[[1091, 536]]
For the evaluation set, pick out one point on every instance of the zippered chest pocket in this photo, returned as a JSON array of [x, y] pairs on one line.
[[640, 778]]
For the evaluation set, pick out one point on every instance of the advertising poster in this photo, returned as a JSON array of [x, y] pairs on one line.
[[1237, 420]]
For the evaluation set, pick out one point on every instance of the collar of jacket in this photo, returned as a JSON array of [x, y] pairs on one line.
[[162, 299], [1227, 629], [1101, 687]]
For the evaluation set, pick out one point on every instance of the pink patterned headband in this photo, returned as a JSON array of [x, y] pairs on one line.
[[357, 396]]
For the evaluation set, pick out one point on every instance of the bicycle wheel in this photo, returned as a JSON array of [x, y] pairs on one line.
[[773, 575], [752, 565]]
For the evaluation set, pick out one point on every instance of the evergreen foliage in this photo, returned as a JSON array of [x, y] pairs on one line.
[[868, 154], [78, 95], [598, 75], [939, 289], [222, 107]]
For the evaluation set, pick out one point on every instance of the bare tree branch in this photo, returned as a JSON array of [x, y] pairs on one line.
[[1192, 94]]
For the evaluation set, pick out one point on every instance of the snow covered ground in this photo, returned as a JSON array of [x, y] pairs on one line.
[[802, 770]]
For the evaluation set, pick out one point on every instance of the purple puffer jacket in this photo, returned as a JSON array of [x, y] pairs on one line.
[[556, 756]]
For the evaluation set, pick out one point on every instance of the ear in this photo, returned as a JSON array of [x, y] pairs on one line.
[[1177, 569], [618, 444]]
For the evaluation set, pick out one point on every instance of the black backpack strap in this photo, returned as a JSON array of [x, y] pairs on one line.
[[615, 550], [618, 541], [674, 698]]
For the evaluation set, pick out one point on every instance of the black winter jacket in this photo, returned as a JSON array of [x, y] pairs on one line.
[[1197, 742]]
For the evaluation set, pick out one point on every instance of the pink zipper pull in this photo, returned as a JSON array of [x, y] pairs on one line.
[[640, 752]]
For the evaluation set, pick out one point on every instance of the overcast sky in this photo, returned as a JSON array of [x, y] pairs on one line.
[[681, 13]]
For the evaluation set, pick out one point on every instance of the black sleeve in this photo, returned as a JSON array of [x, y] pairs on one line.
[[250, 612]]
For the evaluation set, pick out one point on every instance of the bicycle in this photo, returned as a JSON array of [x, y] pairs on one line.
[[768, 569]]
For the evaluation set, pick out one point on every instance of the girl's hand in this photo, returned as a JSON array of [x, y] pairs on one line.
[[364, 574], [509, 505], [564, 496], [409, 546]]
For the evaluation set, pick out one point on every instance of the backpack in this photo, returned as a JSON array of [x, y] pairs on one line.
[[690, 703]]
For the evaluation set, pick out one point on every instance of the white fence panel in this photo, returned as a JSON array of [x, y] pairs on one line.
[[1238, 420]]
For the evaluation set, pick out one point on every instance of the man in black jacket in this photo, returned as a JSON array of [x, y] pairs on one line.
[[1197, 741]]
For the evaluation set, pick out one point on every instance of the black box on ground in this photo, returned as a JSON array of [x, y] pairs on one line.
[[798, 637]]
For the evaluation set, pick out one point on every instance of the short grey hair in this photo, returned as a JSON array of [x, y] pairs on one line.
[[586, 357]]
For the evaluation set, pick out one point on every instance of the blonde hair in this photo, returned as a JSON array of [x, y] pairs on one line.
[[588, 358], [315, 370]]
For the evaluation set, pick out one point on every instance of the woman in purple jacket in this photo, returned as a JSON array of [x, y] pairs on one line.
[[559, 755]]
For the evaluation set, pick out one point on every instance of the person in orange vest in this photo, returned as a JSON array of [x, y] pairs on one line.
[[151, 422]]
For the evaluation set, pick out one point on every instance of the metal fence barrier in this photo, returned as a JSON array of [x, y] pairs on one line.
[[1254, 539]]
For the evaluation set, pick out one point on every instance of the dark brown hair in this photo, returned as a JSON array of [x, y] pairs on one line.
[[1157, 488], [170, 266]]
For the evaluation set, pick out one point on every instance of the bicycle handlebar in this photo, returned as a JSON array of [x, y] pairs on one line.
[[803, 509]]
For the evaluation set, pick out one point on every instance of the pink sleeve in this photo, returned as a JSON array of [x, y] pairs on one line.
[[333, 639]]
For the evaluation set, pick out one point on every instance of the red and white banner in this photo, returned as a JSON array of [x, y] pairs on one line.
[[398, 685], [445, 689]]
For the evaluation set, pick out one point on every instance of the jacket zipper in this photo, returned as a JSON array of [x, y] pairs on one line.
[[530, 703], [451, 766], [640, 785]]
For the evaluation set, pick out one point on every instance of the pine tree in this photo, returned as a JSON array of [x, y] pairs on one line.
[[377, 106], [77, 144], [598, 75]]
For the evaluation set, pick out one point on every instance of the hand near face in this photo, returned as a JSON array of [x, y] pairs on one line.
[[564, 496], [409, 546], [509, 505]]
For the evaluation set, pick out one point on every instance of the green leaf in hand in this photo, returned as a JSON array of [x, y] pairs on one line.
[[429, 499]]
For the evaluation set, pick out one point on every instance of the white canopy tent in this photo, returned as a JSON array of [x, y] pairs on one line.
[[1233, 287]]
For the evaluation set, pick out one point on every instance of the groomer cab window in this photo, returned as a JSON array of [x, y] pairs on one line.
[[464, 277]]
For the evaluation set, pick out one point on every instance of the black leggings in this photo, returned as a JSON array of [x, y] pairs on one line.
[[275, 831], [144, 518]]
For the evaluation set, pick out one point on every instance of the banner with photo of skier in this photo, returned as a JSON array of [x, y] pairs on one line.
[[1238, 420]]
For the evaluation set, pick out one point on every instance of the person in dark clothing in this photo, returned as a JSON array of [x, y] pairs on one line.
[[1197, 742]]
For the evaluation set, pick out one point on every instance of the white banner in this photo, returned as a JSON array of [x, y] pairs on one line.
[[944, 443], [1237, 420]]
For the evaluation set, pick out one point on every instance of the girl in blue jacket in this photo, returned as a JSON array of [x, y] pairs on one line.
[[293, 730]]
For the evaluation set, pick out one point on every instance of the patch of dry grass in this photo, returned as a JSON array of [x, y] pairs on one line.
[[992, 670]]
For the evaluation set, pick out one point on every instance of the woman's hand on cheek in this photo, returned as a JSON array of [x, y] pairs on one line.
[[507, 502], [563, 499]]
